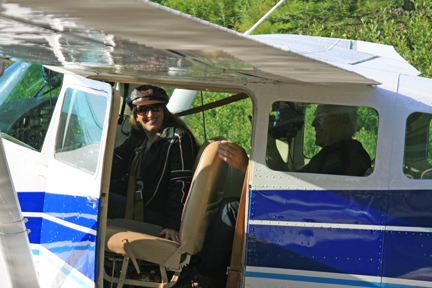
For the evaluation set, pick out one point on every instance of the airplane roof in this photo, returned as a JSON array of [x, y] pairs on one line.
[[342, 52], [141, 39]]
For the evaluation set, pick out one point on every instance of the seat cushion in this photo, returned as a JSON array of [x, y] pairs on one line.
[[143, 238]]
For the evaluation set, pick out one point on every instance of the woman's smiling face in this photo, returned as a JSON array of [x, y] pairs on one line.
[[151, 120]]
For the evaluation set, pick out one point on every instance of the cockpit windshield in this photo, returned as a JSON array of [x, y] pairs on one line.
[[28, 94]]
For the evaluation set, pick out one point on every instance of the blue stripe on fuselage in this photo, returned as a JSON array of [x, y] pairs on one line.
[[408, 208], [315, 249], [343, 250], [311, 279], [31, 201], [74, 209], [35, 226], [74, 247], [342, 207]]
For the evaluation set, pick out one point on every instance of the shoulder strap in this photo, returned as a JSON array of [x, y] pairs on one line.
[[134, 175], [125, 91]]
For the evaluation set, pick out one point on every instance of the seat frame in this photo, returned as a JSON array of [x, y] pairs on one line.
[[205, 195]]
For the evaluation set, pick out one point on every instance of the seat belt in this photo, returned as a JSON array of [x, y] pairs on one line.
[[233, 280], [231, 99], [125, 91]]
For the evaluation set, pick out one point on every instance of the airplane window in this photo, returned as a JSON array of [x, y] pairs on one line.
[[418, 146], [229, 121], [319, 138], [80, 130], [28, 94]]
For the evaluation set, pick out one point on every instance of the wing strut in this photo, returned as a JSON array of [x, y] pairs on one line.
[[17, 267], [231, 99]]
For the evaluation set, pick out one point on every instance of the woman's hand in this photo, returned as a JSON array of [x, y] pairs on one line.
[[233, 154], [170, 234]]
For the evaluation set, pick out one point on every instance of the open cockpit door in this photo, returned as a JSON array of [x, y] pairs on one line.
[[78, 142]]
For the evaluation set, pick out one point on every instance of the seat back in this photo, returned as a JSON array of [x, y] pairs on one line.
[[202, 147], [206, 192], [234, 179]]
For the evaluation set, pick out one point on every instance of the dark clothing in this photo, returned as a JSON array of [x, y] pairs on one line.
[[117, 209], [166, 173], [343, 158], [217, 247]]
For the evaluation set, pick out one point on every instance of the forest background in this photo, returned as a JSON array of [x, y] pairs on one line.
[[404, 24]]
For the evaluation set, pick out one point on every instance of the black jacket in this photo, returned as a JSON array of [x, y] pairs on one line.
[[342, 158], [166, 171]]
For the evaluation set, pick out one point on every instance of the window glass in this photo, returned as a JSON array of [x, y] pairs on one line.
[[80, 129], [319, 138], [229, 121], [28, 94], [418, 146]]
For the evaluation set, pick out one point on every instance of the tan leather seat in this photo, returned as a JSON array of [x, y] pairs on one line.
[[136, 240], [202, 147], [234, 180]]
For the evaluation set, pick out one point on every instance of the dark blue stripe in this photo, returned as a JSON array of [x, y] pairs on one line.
[[31, 201], [410, 208], [345, 207], [316, 249], [74, 209], [74, 247], [35, 225], [312, 279], [78, 249], [405, 255], [408, 255]]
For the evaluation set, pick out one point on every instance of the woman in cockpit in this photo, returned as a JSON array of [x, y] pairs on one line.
[[152, 168]]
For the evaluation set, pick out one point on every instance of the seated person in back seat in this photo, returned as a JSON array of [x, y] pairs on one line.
[[152, 168], [341, 155]]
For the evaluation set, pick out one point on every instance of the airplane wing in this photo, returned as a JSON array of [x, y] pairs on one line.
[[139, 39], [343, 53]]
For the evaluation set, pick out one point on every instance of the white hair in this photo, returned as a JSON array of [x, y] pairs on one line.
[[350, 111]]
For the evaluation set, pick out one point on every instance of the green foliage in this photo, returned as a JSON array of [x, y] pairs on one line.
[[404, 24], [30, 86], [229, 121], [310, 149], [238, 15]]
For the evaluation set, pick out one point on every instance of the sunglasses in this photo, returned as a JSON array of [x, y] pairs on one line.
[[142, 110]]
